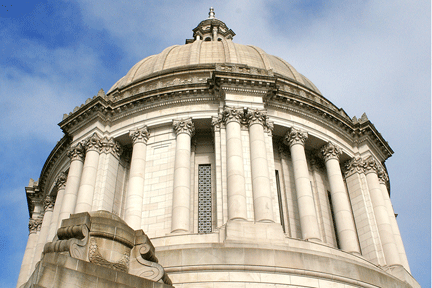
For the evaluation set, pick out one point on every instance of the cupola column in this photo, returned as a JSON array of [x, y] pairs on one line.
[[76, 154], [184, 130], [60, 185], [135, 191], [381, 215], [383, 179], [44, 229], [263, 207], [235, 167], [344, 220], [93, 148], [308, 219]]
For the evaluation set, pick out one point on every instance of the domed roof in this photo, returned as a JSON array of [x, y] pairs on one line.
[[212, 44]]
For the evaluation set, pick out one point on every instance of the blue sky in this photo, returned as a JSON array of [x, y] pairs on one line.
[[364, 56]]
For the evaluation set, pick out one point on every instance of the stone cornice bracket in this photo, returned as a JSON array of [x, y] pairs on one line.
[[217, 122], [296, 136], [184, 126], [354, 165], [330, 151], [371, 165], [231, 114], [93, 143], [34, 225], [255, 116], [76, 152], [60, 182], [109, 145], [49, 203], [140, 135]]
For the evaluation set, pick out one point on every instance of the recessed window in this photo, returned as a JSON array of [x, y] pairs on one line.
[[204, 199], [207, 39]]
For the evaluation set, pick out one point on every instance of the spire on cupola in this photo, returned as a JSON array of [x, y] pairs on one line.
[[211, 29]]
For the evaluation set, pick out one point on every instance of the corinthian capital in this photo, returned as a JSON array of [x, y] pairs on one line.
[[76, 152], [370, 165], [382, 176], [330, 151], [140, 135], [48, 203], [184, 126], [216, 122], [256, 117], [34, 225], [109, 145], [60, 182], [231, 114], [354, 165], [93, 143], [296, 136]]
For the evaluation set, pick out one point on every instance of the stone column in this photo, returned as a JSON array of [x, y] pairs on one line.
[[25, 272], [383, 179], [344, 220], [42, 239], [381, 215], [184, 130], [308, 219], [263, 207], [135, 191], [61, 185], [88, 180], [235, 170], [76, 154]]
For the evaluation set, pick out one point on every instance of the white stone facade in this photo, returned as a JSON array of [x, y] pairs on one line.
[[298, 189]]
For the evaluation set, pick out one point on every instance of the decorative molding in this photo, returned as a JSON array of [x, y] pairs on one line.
[[93, 143], [140, 135], [184, 126], [244, 69], [255, 116], [48, 204], [354, 165], [371, 165], [34, 225], [330, 151], [109, 145], [296, 136], [382, 176], [269, 126], [76, 152], [233, 114], [217, 122], [96, 257], [60, 182]]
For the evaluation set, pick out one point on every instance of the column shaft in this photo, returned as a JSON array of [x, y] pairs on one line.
[[42, 239], [60, 183]]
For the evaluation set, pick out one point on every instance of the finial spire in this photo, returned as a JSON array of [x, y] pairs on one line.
[[211, 13]]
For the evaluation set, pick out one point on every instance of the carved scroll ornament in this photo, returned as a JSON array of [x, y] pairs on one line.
[[330, 151], [184, 126], [140, 135], [296, 136]]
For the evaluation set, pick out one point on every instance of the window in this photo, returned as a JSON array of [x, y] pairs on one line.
[[204, 199], [279, 193], [333, 218]]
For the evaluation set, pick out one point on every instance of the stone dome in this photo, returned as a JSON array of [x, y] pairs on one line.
[[206, 49]]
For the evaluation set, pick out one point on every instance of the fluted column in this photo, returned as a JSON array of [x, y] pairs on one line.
[[34, 226], [235, 169], [61, 185], [381, 215], [308, 219], [42, 239], [344, 220], [184, 130], [86, 190], [263, 207], [383, 179], [76, 154], [135, 191]]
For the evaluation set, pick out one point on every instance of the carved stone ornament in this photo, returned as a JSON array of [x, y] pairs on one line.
[[140, 135], [370, 165], [231, 114], [296, 136], [382, 176], [354, 165], [330, 151], [269, 127], [109, 145], [76, 152], [96, 257], [256, 117], [60, 182], [184, 126], [93, 143], [49, 203], [217, 122], [34, 225]]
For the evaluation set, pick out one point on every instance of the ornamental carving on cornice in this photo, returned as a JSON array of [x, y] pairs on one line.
[[140, 135], [371, 165], [93, 143], [354, 165], [76, 152], [34, 225], [48, 203], [330, 151], [217, 122], [233, 114], [296, 136], [184, 126], [60, 182], [256, 117], [109, 145]]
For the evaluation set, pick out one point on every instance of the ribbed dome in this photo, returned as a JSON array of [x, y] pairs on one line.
[[212, 44]]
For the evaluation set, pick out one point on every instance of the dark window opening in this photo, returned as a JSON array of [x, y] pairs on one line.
[[204, 199], [279, 193]]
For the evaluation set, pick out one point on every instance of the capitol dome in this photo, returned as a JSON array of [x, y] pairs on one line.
[[214, 164]]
